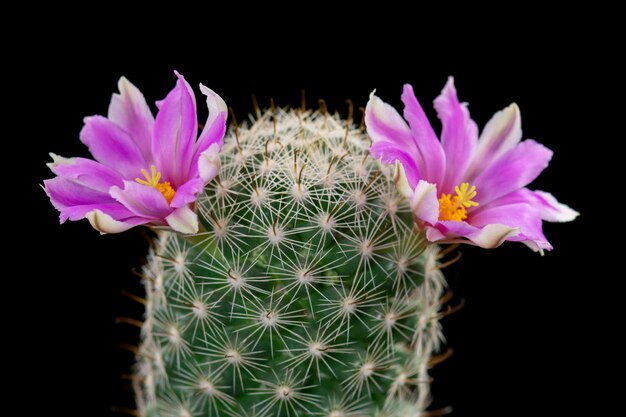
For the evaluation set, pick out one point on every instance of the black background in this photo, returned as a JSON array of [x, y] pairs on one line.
[[524, 343]]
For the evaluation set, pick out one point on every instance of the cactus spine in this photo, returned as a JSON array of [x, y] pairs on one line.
[[308, 293]]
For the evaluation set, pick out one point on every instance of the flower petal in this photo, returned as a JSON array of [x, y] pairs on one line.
[[86, 172], [458, 136], [500, 135], [104, 223], [389, 133], [424, 203], [551, 210], [74, 200], [454, 229], [401, 181], [547, 206], [489, 236], [187, 193], [209, 163], [434, 235], [512, 171], [64, 194], [390, 153], [114, 210], [384, 123], [492, 235], [129, 110], [112, 146], [183, 220], [424, 137], [142, 200], [212, 134], [215, 126], [174, 135], [523, 216]]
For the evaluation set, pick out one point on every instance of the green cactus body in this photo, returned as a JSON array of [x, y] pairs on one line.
[[309, 291]]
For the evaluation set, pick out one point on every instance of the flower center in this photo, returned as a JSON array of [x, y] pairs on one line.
[[455, 208], [152, 180]]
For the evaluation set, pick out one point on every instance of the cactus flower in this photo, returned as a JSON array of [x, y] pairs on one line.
[[465, 188], [147, 170]]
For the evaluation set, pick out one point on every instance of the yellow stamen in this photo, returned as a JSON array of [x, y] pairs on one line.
[[454, 208], [166, 189], [465, 195], [152, 180]]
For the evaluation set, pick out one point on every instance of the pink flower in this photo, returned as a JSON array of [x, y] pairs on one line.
[[464, 188], [146, 170]]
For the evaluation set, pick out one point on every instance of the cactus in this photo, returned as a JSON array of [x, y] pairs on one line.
[[303, 280], [307, 292]]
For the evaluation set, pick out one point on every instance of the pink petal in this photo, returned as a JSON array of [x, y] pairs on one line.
[[391, 136], [492, 235], [64, 194], [114, 210], [512, 171], [458, 136], [175, 131], [74, 200], [183, 220], [212, 136], [384, 123], [500, 135], [551, 210], [424, 137], [187, 193], [142, 200], [522, 195], [112, 146], [454, 229], [129, 110], [522, 216], [424, 203], [389, 153], [434, 235], [209, 163], [86, 172], [489, 236], [215, 126], [545, 204]]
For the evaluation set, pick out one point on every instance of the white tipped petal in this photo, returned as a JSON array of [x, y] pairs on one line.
[[104, 223], [492, 235], [500, 135], [402, 183], [424, 203], [183, 220], [434, 235], [553, 211], [58, 160], [502, 132], [385, 124], [209, 163], [214, 102]]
